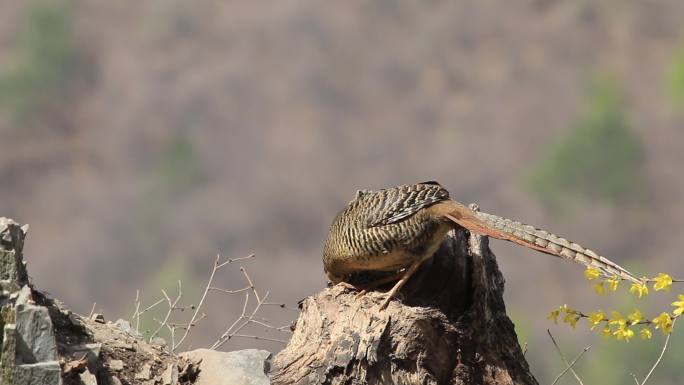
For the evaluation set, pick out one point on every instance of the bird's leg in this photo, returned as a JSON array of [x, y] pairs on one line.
[[349, 286], [364, 288], [407, 274], [379, 282]]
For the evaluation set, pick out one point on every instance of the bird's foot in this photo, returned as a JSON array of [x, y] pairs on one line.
[[385, 302], [348, 286]]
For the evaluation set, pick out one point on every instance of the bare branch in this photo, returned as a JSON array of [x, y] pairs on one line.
[[259, 338], [92, 310], [234, 260], [246, 319], [242, 316], [135, 315], [230, 291], [172, 307], [199, 305], [280, 305], [285, 328], [251, 285], [249, 315], [568, 364], [662, 353]]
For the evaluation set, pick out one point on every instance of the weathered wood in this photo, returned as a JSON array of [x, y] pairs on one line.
[[450, 327]]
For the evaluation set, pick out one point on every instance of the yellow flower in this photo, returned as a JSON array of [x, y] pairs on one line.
[[624, 333], [679, 305], [592, 273], [639, 289], [595, 318], [554, 316], [635, 317], [606, 332], [598, 288], [617, 320], [662, 282], [612, 283], [645, 334], [663, 322], [571, 318]]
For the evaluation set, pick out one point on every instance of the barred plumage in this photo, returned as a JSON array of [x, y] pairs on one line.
[[384, 230], [399, 227]]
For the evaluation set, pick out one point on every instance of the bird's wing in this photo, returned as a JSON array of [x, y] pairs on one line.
[[398, 203]]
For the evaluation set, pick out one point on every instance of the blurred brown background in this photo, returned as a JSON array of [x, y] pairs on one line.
[[138, 139]]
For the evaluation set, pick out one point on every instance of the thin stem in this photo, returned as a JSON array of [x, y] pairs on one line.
[[92, 310], [569, 365], [172, 307], [662, 353], [234, 260], [258, 338], [201, 302]]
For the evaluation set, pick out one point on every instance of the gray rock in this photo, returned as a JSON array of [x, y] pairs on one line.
[[28, 354], [144, 373], [158, 341], [23, 296], [170, 375], [8, 353], [75, 320], [91, 351], [116, 365], [126, 327], [242, 367], [41, 373], [87, 378], [12, 267], [35, 338]]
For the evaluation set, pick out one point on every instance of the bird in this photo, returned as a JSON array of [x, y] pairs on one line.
[[397, 229]]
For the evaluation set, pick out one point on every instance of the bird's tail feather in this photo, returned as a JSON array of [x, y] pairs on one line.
[[531, 237]]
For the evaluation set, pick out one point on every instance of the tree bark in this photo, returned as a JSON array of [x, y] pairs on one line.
[[450, 327]]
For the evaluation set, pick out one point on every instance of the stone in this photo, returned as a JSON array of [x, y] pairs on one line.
[[144, 373], [126, 327], [13, 273], [158, 341], [170, 375], [242, 367], [90, 351], [87, 378], [8, 354], [116, 365], [23, 296], [38, 374], [75, 320], [35, 337], [98, 317]]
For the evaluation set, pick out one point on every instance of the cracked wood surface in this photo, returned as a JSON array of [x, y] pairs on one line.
[[449, 326]]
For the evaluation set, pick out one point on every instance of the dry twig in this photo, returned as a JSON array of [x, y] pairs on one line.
[[92, 310], [137, 313], [201, 302], [247, 317], [662, 353], [568, 364]]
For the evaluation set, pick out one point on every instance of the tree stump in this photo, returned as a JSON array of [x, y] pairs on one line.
[[449, 326]]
